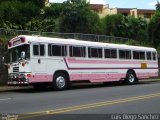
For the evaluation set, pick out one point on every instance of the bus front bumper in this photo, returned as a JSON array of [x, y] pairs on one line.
[[17, 79]]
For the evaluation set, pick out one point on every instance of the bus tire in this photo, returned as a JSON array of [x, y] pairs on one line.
[[60, 81], [130, 78]]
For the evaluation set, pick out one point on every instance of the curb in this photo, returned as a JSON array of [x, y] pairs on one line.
[[11, 88]]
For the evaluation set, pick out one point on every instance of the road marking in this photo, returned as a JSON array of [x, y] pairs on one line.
[[5, 99], [88, 106]]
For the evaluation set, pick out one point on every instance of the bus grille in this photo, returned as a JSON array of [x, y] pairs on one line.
[[15, 69]]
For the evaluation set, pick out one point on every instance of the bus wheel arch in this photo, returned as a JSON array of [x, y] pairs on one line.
[[61, 80], [131, 77]]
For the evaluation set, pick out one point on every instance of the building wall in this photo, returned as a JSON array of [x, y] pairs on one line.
[[105, 10], [134, 13]]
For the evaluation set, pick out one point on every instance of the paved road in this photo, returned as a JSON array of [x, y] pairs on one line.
[[90, 99]]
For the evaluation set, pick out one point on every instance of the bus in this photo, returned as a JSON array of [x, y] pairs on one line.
[[55, 62]]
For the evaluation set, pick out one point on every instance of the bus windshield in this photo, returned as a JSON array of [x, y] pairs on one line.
[[15, 53]]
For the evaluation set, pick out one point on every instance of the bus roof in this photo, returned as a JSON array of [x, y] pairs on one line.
[[81, 42]]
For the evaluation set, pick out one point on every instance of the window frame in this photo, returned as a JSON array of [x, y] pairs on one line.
[[139, 51], [155, 56], [98, 48], [127, 57], [82, 49], [111, 55], [63, 51], [39, 49], [149, 58]]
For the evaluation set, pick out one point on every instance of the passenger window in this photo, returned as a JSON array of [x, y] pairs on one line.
[[49, 50], [149, 57], [124, 54], [77, 51], [95, 52], [57, 50], [110, 53], [154, 55], [138, 55], [42, 50], [142, 55], [35, 49]]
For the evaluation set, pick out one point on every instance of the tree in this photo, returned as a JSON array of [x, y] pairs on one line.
[[40, 3], [158, 6], [135, 28], [154, 28], [53, 11], [73, 16], [16, 14], [76, 17], [112, 24], [125, 26]]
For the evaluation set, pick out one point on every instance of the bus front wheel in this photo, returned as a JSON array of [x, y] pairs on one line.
[[60, 81]]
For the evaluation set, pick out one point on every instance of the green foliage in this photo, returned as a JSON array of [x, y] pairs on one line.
[[158, 6], [53, 11], [16, 14], [136, 28], [74, 16], [122, 26], [132, 42], [39, 3], [154, 30], [112, 24]]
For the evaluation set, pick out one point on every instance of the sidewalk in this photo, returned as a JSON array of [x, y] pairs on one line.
[[11, 88]]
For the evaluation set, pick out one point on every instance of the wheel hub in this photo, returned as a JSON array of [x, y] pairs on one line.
[[60, 81], [131, 78]]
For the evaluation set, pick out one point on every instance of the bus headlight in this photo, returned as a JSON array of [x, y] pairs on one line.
[[22, 76]]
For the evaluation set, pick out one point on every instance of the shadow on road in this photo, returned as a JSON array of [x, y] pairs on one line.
[[75, 86]]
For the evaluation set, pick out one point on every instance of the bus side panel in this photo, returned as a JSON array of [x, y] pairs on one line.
[[44, 71], [108, 70]]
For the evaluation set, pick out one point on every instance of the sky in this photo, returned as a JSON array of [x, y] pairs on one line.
[[140, 4]]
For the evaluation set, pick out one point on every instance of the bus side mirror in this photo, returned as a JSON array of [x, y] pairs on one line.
[[23, 54]]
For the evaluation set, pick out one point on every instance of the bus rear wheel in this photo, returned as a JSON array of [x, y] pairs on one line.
[[60, 81], [130, 78]]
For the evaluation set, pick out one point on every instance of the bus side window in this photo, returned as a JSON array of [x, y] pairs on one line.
[[110, 53], [39, 50], [42, 50], [35, 49], [142, 55], [57, 50], [136, 55], [149, 57], [154, 55], [94, 52], [124, 54], [77, 51], [49, 50]]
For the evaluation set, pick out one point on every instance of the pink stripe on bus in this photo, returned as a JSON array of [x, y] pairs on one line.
[[107, 77], [40, 78], [73, 60]]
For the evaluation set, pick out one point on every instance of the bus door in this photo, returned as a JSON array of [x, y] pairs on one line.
[[39, 58]]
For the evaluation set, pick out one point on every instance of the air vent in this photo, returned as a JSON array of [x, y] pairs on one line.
[[15, 69]]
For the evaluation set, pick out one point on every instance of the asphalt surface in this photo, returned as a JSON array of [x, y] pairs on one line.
[[82, 101]]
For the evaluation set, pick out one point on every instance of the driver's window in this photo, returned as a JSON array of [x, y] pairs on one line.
[[39, 49]]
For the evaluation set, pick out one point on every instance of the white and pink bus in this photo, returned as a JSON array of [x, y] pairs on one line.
[[36, 61]]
